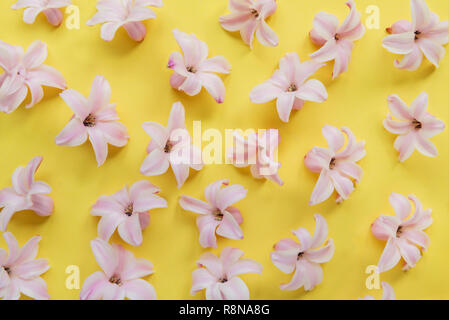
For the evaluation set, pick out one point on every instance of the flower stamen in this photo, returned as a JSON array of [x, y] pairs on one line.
[[337, 37], [89, 121], [292, 88], [7, 269], [332, 163], [168, 147], [255, 13], [129, 210], [218, 215], [417, 124], [417, 33], [191, 69], [299, 255], [115, 280], [399, 231], [223, 280]]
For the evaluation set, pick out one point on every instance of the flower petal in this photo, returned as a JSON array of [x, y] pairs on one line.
[[320, 233], [191, 204], [390, 256], [334, 137], [284, 105], [321, 255], [216, 64], [411, 61], [214, 85], [405, 145], [312, 90], [130, 230], [94, 286], [385, 227], [202, 279], [234, 289], [324, 26], [266, 35], [155, 163], [400, 43], [76, 102], [433, 51], [388, 293], [229, 228], [34, 288], [229, 195], [105, 255], [139, 289], [409, 252], [323, 189], [206, 226], [73, 134]]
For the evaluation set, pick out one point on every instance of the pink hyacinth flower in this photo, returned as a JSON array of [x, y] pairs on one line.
[[426, 34], [25, 194], [171, 146], [20, 271], [304, 258], [127, 211], [49, 7], [337, 167], [415, 126], [290, 87], [194, 70], [336, 41], [121, 275], [218, 214], [403, 235], [128, 14], [25, 71], [95, 118], [258, 152], [249, 17], [219, 275], [387, 294]]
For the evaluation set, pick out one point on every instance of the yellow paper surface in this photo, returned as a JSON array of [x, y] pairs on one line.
[[139, 79]]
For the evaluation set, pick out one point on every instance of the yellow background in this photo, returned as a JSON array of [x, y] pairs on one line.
[[140, 87]]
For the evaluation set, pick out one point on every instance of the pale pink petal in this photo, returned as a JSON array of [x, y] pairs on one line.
[[195, 205], [350, 169], [214, 85], [212, 190], [5, 216], [401, 43], [235, 20], [113, 292], [11, 102], [34, 288], [285, 260], [191, 85], [142, 186], [194, 50], [321, 255], [37, 93], [409, 252], [100, 94], [109, 29], [266, 35], [35, 55], [320, 233], [9, 55], [425, 146], [287, 244], [42, 204], [387, 293], [212, 263], [312, 90], [134, 268], [229, 228], [318, 159], [148, 201], [416, 237], [342, 57], [284, 105], [405, 145], [344, 186], [324, 27], [108, 224], [155, 163], [431, 126], [234, 289], [30, 15], [114, 133], [313, 274], [351, 29], [247, 32], [236, 214], [176, 62], [181, 172], [390, 256], [206, 226], [421, 15], [105, 255], [397, 127], [239, 5], [323, 189], [244, 266], [140, 13], [202, 279], [73, 134], [31, 269], [229, 195], [13, 247], [99, 144], [54, 16], [157, 132], [130, 230], [304, 238], [411, 61], [398, 108], [439, 33], [400, 26], [326, 52], [216, 64], [433, 51], [385, 227], [213, 292], [305, 70], [76, 102], [136, 29], [139, 289], [334, 137], [297, 280], [401, 205], [94, 286]]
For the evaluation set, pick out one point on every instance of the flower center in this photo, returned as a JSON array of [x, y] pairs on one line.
[[218, 215], [299, 255], [115, 280], [399, 231], [191, 69], [292, 88], [7, 269], [417, 33], [417, 124], [337, 37], [255, 13], [168, 147], [332, 163], [129, 210], [89, 121], [223, 280]]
